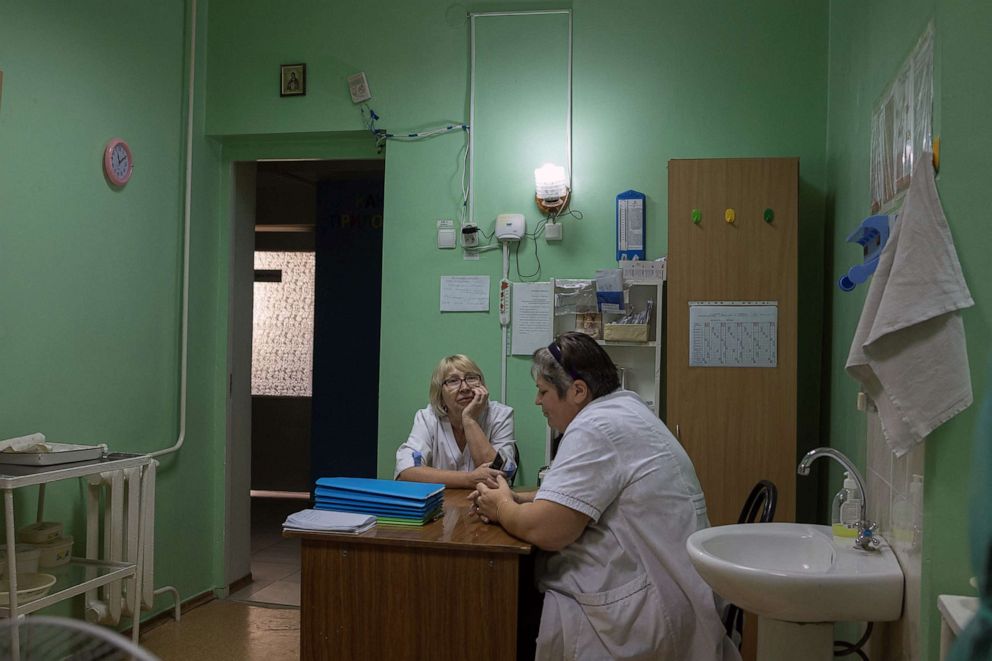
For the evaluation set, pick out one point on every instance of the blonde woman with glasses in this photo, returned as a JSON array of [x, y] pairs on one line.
[[456, 438]]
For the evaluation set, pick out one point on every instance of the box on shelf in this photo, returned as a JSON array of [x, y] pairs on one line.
[[625, 332], [589, 323], [645, 271]]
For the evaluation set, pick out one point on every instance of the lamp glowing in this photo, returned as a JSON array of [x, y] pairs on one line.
[[550, 182]]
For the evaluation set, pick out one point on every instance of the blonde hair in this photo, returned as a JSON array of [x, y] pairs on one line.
[[459, 362]]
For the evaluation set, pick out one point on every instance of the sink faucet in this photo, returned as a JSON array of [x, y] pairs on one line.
[[866, 539]]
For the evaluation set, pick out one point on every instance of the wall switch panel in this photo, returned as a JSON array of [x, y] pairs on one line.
[[552, 232], [446, 234], [358, 87]]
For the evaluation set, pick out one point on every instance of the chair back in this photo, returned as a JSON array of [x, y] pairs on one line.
[[763, 498], [760, 505]]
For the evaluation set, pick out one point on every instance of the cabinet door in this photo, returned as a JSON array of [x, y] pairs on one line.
[[738, 424]]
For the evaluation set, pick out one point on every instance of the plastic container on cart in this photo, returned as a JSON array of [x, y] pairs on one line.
[[26, 557], [39, 532], [56, 552]]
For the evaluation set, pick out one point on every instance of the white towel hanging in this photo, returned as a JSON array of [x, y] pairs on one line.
[[909, 349]]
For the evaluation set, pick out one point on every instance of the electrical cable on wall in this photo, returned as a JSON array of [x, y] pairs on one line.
[[369, 119], [538, 232]]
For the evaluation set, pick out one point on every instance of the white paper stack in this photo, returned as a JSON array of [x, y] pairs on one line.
[[328, 521]]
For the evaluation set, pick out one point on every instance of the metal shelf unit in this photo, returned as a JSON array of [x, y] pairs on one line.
[[80, 575], [641, 362]]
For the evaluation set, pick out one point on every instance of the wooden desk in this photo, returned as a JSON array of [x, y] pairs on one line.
[[447, 590]]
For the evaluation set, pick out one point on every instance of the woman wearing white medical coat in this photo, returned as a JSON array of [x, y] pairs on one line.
[[614, 510], [454, 440]]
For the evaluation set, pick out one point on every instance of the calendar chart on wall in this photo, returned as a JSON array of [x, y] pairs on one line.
[[733, 333]]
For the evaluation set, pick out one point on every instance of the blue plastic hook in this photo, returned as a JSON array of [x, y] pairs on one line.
[[872, 234]]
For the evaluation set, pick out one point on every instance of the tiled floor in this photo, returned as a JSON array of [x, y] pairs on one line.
[[228, 630], [275, 561], [260, 622]]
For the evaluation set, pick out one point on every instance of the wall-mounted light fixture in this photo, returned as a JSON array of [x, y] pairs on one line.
[[551, 188]]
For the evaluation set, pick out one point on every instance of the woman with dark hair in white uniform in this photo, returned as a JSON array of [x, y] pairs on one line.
[[613, 511], [454, 440]]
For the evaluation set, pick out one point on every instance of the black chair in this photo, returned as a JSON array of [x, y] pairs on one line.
[[763, 498], [516, 460]]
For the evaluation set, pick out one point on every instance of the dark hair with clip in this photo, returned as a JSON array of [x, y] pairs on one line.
[[573, 356]]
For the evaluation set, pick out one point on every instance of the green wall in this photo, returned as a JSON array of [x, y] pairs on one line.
[[651, 81], [89, 310], [868, 42], [90, 302]]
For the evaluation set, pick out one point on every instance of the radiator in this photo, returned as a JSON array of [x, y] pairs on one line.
[[126, 526]]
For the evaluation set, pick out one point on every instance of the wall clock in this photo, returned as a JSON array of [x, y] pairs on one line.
[[118, 163]]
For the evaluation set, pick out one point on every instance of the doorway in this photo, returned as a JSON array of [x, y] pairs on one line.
[[298, 242]]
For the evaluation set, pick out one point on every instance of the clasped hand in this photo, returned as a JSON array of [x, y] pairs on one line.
[[486, 500]]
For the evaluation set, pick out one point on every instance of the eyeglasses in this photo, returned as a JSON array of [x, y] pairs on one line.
[[455, 382], [555, 349]]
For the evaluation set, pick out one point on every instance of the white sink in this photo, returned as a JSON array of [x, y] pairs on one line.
[[796, 572]]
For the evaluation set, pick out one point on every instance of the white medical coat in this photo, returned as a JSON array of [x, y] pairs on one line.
[[626, 588], [434, 439]]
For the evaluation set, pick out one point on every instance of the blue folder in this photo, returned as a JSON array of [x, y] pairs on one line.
[[326, 492], [419, 517], [417, 491], [369, 508]]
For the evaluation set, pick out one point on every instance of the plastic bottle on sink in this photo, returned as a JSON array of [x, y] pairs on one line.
[[846, 500]]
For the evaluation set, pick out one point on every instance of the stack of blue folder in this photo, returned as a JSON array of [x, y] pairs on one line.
[[401, 503]]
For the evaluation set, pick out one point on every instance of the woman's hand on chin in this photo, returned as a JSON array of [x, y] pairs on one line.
[[478, 404]]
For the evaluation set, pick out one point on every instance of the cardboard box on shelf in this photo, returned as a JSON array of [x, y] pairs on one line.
[[625, 332]]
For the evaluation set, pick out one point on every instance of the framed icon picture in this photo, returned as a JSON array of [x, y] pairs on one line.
[[292, 80]]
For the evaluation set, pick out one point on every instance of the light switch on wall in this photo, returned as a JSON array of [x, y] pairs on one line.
[[446, 234]]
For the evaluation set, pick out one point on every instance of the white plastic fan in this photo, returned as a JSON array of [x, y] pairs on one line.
[[45, 638]]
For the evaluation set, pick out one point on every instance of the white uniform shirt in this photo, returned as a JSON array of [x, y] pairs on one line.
[[626, 588], [434, 439]]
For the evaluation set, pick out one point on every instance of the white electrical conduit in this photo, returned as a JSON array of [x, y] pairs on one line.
[[471, 146], [187, 205], [184, 351], [505, 328]]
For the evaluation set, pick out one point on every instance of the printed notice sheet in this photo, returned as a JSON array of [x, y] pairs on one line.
[[733, 333], [531, 317], [464, 293]]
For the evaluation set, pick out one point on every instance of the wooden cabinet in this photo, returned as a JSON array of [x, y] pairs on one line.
[[738, 423]]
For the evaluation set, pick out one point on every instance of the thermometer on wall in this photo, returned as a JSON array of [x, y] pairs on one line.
[[504, 302]]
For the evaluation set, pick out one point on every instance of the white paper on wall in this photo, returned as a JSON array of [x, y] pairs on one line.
[[531, 317], [733, 333], [464, 293]]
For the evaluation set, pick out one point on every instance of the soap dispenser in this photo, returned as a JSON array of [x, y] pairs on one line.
[[846, 500]]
